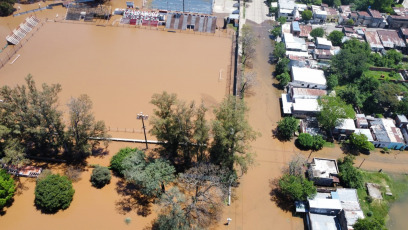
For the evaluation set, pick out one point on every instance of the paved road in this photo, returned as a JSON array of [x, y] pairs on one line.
[[257, 11]]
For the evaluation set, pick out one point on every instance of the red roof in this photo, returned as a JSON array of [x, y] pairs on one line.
[[363, 13]]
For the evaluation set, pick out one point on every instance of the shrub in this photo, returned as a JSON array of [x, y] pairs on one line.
[[350, 176], [116, 161], [305, 140], [73, 173], [53, 193], [7, 188], [100, 176], [318, 142], [286, 127]]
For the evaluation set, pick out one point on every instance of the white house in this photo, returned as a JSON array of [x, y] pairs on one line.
[[308, 78], [287, 9], [323, 43]]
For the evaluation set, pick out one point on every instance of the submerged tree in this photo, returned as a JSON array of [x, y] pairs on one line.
[[232, 135], [248, 41], [32, 116], [83, 125], [151, 177]]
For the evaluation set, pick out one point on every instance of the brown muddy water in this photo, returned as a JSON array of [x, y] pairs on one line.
[[120, 68], [398, 214]]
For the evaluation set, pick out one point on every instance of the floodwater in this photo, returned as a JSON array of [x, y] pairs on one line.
[[120, 69], [398, 214]]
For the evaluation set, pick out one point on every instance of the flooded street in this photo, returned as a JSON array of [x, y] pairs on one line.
[[398, 216]]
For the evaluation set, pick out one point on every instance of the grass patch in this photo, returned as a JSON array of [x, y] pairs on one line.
[[379, 208], [328, 144], [381, 75]]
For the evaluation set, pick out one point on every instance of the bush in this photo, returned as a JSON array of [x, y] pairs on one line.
[[100, 176], [7, 188], [116, 161], [350, 176], [73, 173], [305, 140], [53, 193], [286, 128]]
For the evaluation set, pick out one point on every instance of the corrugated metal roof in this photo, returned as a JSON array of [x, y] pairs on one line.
[[373, 39], [390, 38]]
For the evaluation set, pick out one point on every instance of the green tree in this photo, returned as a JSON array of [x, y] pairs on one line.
[[6, 8], [369, 223], [297, 187], [307, 15], [318, 142], [283, 79], [232, 135], [82, 126], [14, 153], [351, 94], [333, 109], [152, 177], [279, 50], [393, 58], [360, 142], [287, 127], [386, 96], [201, 134], [32, 116], [335, 37], [7, 188], [305, 140], [352, 61], [282, 66], [350, 176], [332, 81], [350, 22], [277, 31], [116, 161], [101, 176], [53, 193], [282, 20], [317, 32]]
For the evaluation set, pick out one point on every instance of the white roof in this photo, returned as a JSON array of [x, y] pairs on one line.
[[324, 167], [347, 124], [333, 204], [287, 4], [323, 41], [323, 222], [312, 76], [285, 11], [307, 105], [366, 132], [286, 104], [297, 53], [274, 4]]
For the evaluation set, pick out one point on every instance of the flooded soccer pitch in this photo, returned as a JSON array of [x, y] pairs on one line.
[[120, 69]]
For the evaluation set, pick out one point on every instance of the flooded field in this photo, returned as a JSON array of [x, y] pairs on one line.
[[120, 68], [398, 216]]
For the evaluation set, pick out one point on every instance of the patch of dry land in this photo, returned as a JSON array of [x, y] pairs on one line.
[[120, 69]]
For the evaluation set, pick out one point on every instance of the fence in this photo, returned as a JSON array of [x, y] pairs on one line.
[[124, 130], [6, 55]]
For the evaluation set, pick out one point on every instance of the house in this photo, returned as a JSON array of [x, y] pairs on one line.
[[401, 121], [287, 9], [325, 206], [346, 128], [324, 172], [323, 43], [377, 19], [386, 134], [305, 31], [295, 28], [397, 21], [298, 61], [345, 9], [301, 101], [351, 209], [361, 121], [305, 93], [365, 132], [400, 11], [332, 14], [347, 31], [308, 78], [319, 14], [322, 54], [363, 18], [390, 39], [404, 34], [374, 41], [294, 43]]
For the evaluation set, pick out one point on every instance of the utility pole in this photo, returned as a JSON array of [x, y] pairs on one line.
[[143, 117]]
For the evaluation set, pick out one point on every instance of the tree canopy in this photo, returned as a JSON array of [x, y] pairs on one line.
[[53, 193], [284, 79], [297, 187], [335, 37], [232, 135], [279, 50], [333, 109], [7, 188], [100, 177], [350, 176], [317, 32], [307, 15], [369, 223], [6, 7], [287, 127], [360, 142], [116, 160]]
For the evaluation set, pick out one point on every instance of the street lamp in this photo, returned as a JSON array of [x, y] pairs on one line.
[[143, 117]]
